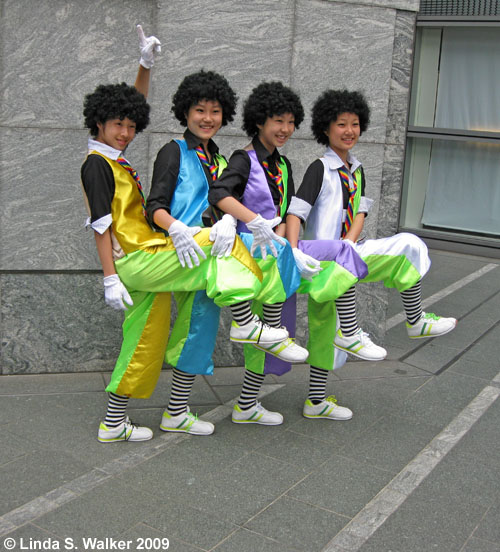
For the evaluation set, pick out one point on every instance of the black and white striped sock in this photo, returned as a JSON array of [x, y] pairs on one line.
[[182, 383], [250, 389], [346, 309], [242, 313], [271, 314], [115, 415], [317, 384], [412, 302]]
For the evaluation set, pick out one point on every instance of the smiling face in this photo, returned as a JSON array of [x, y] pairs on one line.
[[117, 133], [343, 134], [204, 119], [275, 132]]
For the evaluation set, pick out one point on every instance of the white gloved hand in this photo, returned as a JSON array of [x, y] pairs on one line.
[[350, 242], [148, 45], [187, 249], [222, 234], [307, 265], [263, 235], [115, 293]]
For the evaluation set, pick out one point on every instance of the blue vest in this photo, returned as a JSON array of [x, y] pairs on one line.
[[190, 198]]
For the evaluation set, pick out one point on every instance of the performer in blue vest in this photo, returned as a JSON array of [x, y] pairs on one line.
[[183, 173]]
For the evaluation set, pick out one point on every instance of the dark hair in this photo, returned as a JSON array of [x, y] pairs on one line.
[[333, 103], [115, 101], [204, 85], [268, 99]]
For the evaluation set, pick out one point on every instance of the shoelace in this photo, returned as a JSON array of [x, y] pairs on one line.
[[332, 399], [430, 315], [264, 325]]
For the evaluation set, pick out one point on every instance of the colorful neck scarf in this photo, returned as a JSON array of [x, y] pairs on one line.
[[126, 165], [277, 179], [212, 167], [344, 177]]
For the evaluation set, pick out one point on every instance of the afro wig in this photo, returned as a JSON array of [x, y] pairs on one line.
[[204, 85], [115, 101], [331, 104], [269, 99]]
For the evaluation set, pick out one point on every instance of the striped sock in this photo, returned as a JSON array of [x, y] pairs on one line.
[[242, 313], [250, 389], [346, 309], [412, 302], [182, 383], [317, 384], [115, 415], [271, 314]]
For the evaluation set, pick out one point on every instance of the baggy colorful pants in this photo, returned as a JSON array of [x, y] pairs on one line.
[[194, 333], [150, 275], [399, 261]]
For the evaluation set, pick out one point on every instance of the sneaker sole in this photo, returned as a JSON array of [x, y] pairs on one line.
[[256, 422], [435, 335], [170, 430], [291, 361], [314, 417], [358, 355], [123, 440]]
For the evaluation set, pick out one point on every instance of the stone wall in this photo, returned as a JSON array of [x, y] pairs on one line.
[[53, 316]]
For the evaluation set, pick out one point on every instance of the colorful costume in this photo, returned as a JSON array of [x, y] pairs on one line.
[[341, 265], [147, 264], [399, 261]]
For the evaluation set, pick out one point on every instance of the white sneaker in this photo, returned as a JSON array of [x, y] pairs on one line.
[[326, 409], [126, 431], [257, 331], [359, 345], [186, 422], [256, 415], [287, 350], [430, 325]]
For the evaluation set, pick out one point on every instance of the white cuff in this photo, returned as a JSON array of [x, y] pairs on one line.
[[299, 208], [100, 225], [365, 204]]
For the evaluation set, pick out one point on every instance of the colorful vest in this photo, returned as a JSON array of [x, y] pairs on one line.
[[129, 225], [328, 214], [257, 195], [190, 197]]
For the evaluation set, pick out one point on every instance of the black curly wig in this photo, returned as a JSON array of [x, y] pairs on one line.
[[268, 99], [115, 101], [204, 85], [332, 103]]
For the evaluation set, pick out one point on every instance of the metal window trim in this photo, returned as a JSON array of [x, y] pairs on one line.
[[452, 134], [457, 21]]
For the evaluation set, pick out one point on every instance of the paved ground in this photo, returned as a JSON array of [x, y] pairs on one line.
[[416, 469]]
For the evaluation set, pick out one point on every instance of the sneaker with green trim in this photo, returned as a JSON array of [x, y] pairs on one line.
[[126, 431], [359, 345], [430, 325], [328, 409], [187, 422], [286, 350], [257, 331], [256, 415]]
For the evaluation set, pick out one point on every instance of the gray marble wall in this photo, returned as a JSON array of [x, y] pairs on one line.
[[53, 52]]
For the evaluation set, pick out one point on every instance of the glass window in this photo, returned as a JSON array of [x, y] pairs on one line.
[[452, 166]]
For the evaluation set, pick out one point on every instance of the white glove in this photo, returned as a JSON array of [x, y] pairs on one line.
[[350, 242], [187, 248], [148, 46], [222, 234], [115, 293], [263, 235], [307, 265]]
